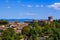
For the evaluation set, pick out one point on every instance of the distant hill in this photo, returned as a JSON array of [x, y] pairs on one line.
[[18, 20]]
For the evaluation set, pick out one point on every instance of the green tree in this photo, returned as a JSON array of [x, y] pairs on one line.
[[26, 32], [3, 22], [10, 34]]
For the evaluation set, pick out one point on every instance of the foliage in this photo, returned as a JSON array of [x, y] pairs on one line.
[[26, 30], [34, 31], [9, 34], [52, 31], [3, 22]]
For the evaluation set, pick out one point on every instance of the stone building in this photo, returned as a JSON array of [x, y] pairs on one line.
[[17, 26], [49, 20]]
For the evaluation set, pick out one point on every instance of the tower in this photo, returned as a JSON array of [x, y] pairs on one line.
[[50, 18]]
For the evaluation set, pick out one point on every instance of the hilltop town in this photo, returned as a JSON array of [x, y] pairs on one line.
[[18, 26], [42, 29]]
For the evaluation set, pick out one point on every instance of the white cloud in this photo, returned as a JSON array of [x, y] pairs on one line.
[[30, 14], [42, 5], [27, 14], [29, 5], [8, 7], [55, 6], [37, 6]]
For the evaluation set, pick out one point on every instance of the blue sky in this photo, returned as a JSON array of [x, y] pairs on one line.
[[30, 9]]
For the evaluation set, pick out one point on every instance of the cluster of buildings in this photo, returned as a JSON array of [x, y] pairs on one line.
[[41, 22], [18, 26]]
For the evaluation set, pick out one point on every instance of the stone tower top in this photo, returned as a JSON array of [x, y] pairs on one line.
[[50, 18]]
